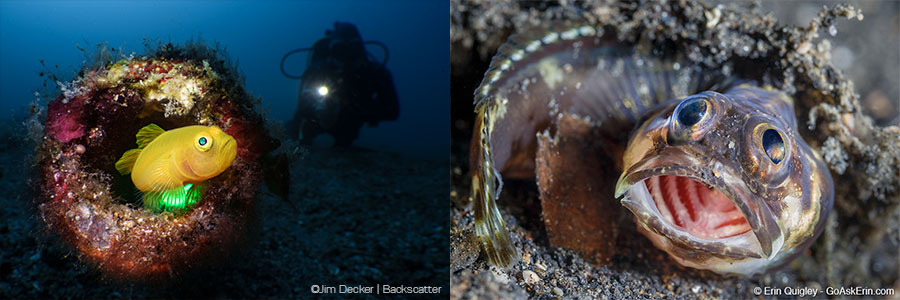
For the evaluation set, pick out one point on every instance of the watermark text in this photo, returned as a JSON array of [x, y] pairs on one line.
[[805, 291]]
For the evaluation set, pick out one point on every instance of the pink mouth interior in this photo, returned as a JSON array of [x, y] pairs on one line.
[[698, 209]]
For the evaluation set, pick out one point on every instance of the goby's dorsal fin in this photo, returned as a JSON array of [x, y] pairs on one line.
[[148, 134]]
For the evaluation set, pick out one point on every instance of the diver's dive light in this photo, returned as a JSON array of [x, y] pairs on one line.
[[323, 91]]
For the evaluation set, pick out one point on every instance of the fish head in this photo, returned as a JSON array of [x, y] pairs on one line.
[[210, 152], [724, 182]]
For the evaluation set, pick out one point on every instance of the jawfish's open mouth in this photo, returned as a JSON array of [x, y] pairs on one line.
[[695, 207]]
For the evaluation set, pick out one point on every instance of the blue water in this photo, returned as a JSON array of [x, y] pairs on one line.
[[256, 34]]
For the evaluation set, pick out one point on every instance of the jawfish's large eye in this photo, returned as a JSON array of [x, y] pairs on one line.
[[773, 144], [768, 149], [203, 143], [691, 111], [691, 118]]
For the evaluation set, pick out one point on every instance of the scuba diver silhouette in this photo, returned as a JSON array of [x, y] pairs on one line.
[[342, 87]]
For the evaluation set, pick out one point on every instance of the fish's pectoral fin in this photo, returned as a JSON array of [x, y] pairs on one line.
[[148, 134], [178, 198], [126, 163], [160, 175]]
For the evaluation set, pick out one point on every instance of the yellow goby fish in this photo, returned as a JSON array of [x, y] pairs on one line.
[[169, 167]]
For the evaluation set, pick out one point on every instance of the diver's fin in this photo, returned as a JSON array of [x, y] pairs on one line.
[[276, 168], [126, 163], [179, 198], [148, 134]]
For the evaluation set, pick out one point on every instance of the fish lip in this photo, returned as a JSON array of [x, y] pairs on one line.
[[758, 214], [230, 146]]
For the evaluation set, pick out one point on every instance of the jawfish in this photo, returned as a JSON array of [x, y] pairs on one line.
[[709, 163]]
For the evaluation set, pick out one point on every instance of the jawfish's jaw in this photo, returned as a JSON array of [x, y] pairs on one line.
[[703, 222]]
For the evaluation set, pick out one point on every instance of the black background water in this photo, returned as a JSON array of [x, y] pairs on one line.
[[256, 34]]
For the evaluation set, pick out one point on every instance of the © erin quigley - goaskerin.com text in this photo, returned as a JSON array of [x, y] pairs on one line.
[[805, 291]]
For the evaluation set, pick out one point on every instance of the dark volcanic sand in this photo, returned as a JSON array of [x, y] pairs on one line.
[[860, 244], [361, 218]]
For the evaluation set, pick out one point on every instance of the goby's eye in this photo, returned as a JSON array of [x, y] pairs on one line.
[[691, 111], [203, 143], [773, 144]]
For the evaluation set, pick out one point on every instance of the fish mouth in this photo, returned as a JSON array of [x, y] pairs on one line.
[[230, 148], [701, 210], [699, 204], [229, 143]]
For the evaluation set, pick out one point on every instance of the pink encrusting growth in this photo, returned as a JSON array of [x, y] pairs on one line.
[[64, 119], [695, 207]]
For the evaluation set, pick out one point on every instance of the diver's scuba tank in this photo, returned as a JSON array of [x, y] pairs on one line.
[[369, 57]]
